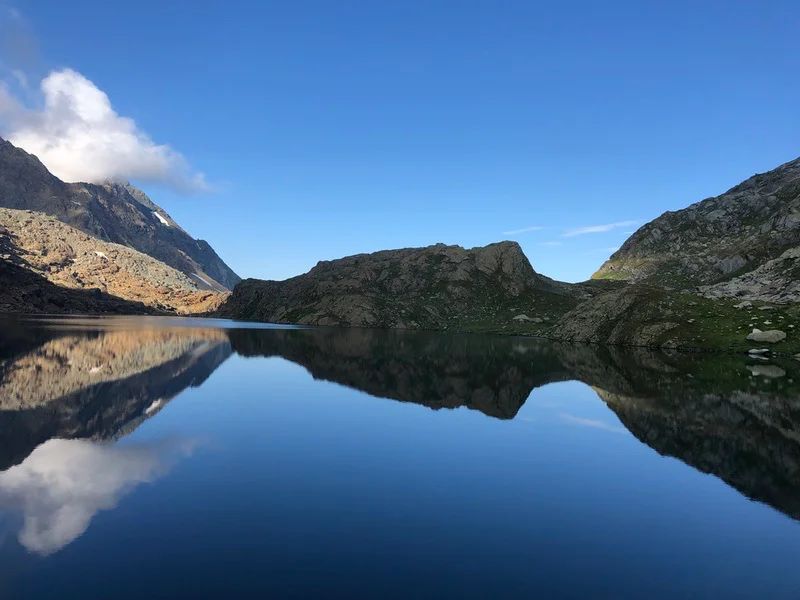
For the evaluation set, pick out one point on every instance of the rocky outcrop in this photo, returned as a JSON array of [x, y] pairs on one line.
[[645, 315], [113, 212], [72, 259], [438, 287], [777, 280], [723, 238], [632, 316]]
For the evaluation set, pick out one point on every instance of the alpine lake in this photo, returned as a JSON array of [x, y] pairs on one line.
[[189, 458]]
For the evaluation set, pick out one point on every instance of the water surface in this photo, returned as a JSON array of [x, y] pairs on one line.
[[166, 458]]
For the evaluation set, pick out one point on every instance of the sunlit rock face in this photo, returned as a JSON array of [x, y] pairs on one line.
[[62, 484]]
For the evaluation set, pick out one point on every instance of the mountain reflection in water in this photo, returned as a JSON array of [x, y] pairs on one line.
[[70, 388]]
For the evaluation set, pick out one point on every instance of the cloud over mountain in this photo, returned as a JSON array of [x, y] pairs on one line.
[[78, 135]]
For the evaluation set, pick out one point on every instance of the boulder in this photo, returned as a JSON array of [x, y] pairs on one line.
[[771, 336]]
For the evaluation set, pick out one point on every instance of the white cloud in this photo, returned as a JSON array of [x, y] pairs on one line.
[[62, 484], [523, 230], [597, 228], [79, 137]]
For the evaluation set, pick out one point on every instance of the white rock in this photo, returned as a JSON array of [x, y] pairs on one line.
[[745, 304], [771, 336], [766, 308], [758, 351]]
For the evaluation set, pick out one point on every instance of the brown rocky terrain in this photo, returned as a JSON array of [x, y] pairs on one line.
[[438, 287], [72, 259], [113, 212], [22, 290]]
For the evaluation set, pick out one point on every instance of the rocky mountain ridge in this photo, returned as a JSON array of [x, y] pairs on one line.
[[72, 259], [437, 287], [112, 212], [744, 243]]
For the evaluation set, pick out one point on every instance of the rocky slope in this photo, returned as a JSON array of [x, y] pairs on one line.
[[117, 213], [72, 259], [438, 287], [744, 243], [22, 290]]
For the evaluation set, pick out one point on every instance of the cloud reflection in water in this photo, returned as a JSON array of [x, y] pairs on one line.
[[62, 484]]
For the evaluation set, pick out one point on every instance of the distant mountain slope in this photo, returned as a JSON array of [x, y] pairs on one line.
[[722, 239], [72, 259], [438, 287], [117, 213]]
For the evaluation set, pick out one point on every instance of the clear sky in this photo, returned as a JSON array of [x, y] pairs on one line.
[[329, 128]]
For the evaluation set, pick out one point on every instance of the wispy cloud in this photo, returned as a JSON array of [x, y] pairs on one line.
[[523, 230], [594, 423], [597, 228], [551, 243]]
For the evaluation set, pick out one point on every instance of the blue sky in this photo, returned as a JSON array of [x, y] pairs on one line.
[[332, 128]]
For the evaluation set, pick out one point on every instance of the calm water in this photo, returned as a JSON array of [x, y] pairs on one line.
[[147, 458]]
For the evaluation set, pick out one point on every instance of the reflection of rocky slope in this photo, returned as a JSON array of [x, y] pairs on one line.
[[494, 375], [62, 397], [72, 259], [67, 365], [750, 441], [706, 410]]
